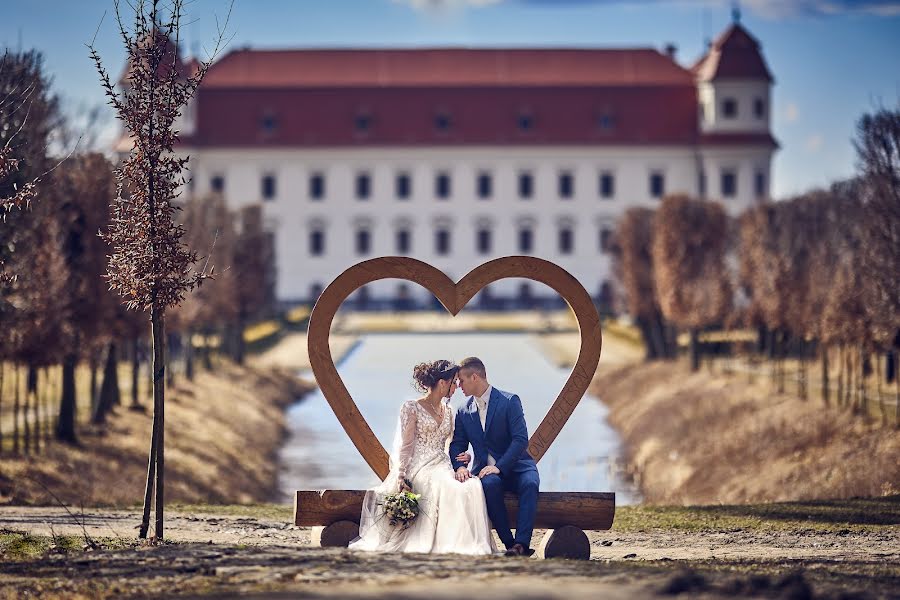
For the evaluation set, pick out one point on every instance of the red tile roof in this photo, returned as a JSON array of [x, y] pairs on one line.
[[734, 55], [477, 116], [444, 67]]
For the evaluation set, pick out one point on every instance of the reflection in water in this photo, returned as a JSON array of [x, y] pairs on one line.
[[378, 374]]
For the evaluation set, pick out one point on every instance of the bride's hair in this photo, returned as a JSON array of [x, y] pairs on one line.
[[427, 374]]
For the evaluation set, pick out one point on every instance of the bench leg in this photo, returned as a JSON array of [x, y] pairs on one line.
[[565, 542], [337, 535]]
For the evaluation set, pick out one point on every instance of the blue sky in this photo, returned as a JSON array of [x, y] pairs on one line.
[[832, 59]]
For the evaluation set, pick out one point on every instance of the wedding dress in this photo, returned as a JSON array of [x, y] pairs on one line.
[[452, 515]]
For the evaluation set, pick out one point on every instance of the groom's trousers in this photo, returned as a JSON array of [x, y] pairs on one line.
[[525, 486]]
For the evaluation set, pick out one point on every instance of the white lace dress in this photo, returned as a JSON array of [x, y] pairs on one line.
[[453, 515]]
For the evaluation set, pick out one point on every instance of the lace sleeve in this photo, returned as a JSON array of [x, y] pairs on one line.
[[407, 437]]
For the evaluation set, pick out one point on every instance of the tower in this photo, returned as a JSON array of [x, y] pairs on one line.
[[734, 95]]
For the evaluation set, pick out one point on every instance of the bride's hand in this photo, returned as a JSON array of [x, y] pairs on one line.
[[403, 485]]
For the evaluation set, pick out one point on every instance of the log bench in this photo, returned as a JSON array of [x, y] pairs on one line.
[[334, 516]]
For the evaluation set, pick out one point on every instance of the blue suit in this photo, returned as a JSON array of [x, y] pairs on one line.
[[505, 437]]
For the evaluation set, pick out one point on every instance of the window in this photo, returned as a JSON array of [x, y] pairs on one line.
[[442, 122], [363, 186], [606, 122], [526, 185], [605, 239], [317, 242], [217, 183], [566, 240], [315, 290], [729, 183], [759, 184], [442, 185], [525, 122], [485, 185], [442, 241], [403, 185], [565, 185], [363, 242], [268, 124], [657, 185], [484, 241], [268, 187], [404, 241], [759, 108], [729, 108], [363, 122], [317, 186], [607, 185], [526, 240]]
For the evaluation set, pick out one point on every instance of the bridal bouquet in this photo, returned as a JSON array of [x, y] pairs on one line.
[[401, 508]]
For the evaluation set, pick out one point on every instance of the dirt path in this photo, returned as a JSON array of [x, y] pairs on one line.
[[228, 556], [612, 545]]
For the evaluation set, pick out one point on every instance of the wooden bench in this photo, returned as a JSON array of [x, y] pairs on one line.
[[334, 516]]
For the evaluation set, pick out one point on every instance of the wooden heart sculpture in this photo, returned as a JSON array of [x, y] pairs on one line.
[[453, 296]]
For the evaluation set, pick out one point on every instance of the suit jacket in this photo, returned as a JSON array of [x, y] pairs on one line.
[[505, 435]]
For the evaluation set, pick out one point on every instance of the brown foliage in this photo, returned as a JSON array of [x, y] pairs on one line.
[[689, 243]]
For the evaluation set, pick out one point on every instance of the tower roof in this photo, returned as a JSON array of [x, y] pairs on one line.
[[735, 54]]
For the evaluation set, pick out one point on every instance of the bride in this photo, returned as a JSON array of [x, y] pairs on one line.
[[452, 515]]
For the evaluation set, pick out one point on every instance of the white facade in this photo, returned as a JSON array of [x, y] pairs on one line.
[[339, 215]]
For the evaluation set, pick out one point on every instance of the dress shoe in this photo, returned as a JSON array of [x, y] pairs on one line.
[[519, 550]]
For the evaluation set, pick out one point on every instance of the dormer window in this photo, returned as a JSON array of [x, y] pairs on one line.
[[363, 122], [525, 122], [729, 108], [442, 122], [268, 123], [606, 122]]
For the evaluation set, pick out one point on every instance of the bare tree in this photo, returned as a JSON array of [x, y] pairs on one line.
[[150, 266], [634, 269], [689, 243]]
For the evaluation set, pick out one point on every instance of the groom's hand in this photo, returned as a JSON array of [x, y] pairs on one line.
[[462, 474], [464, 457], [488, 470]]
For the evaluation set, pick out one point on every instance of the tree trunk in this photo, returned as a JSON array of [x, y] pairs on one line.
[[31, 402], [95, 397], [240, 348], [207, 355], [26, 405], [2, 379], [109, 389], [16, 401], [695, 350], [65, 427], [151, 478], [159, 390], [135, 375], [188, 349], [825, 390]]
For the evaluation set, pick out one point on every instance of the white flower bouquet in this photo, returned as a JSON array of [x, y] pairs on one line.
[[401, 508]]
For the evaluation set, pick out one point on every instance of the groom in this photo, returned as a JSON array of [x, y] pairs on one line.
[[492, 421]]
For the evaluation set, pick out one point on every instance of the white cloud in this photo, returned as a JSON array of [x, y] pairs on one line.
[[814, 142], [791, 112]]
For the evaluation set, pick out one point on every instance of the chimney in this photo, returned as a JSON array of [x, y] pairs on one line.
[[671, 49]]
